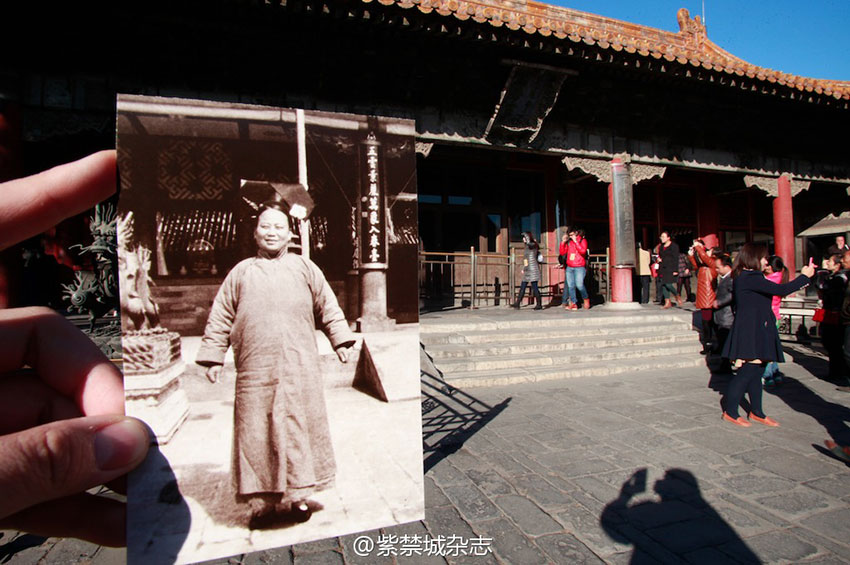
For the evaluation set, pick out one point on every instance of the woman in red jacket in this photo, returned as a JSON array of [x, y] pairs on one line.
[[576, 269], [703, 261]]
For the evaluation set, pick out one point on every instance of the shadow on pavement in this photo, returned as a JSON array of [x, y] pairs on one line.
[[18, 544], [449, 415], [159, 519], [682, 522], [800, 398]]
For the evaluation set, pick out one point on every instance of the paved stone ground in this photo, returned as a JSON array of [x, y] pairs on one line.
[[626, 469]]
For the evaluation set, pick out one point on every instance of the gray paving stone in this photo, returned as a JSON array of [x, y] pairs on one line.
[[505, 464], [356, 554], [757, 483], [490, 482], [773, 547], [434, 495], [446, 521], [834, 524], [464, 460], [510, 544], [530, 446], [563, 439], [597, 488], [786, 463], [279, 556], [110, 556], [321, 558], [554, 460], [316, 546], [821, 542], [541, 491], [796, 502], [472, 504], [445, 474], [565, 548], [832, 485], [603, 538], [530, 518], [583, 467], [71, 551], [725, 442]]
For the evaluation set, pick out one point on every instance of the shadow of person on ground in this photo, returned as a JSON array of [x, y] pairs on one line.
[[814, 362], [18, 544], [800, 398], [682, 522], [719, 382], [158, 517], [449, 415]]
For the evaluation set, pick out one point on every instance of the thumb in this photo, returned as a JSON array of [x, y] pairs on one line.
[[67, 457]]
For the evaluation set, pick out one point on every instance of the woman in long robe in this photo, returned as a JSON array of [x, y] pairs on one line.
[[268, 308]]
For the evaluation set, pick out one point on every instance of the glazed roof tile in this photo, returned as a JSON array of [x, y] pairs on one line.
[[688, 46]]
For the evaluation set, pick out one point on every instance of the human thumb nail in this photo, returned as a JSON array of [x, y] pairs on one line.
[[120, 444]]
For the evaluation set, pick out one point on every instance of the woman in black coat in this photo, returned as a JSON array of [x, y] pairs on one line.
[[754, 339]]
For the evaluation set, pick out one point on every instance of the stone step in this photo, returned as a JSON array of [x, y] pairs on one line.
[[547, 344], [468, 379], [553, 359], [580, 319], [564, 332]]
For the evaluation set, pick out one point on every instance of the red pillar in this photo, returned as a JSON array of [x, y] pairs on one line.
[[783, 223], [621, 278]]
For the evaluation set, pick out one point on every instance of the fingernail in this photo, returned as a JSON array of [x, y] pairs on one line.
[[120, 445]]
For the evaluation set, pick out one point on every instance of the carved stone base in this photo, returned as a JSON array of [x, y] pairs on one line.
[[152, 388]]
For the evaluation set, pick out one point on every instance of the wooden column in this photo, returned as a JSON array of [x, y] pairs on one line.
[[783, 223]]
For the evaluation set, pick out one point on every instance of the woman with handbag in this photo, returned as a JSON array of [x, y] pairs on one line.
[[530, 270]]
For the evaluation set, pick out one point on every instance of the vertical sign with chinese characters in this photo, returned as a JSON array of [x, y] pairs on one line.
[[373, 234], [623, 216]]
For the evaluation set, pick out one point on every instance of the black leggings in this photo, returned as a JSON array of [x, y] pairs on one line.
[[747, 379], [534, 290]]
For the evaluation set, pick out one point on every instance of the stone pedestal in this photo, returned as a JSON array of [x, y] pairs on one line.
[[152, 369], [373, 301]]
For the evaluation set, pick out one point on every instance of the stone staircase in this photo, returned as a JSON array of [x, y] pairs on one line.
[[477, 351]]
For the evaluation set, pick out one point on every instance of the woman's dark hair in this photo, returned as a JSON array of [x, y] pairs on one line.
[[836, 257], [749, 257], [778, 265], [531, 241], [272, 205]]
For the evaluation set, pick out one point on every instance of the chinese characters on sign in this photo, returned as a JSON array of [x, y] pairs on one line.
[[372, 210]]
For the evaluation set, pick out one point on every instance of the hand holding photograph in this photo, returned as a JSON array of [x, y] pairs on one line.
[[270, 325]]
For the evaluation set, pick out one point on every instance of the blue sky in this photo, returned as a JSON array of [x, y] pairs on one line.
[[803, 37]]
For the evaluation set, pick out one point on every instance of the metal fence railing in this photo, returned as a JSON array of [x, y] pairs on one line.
[[470, 279]]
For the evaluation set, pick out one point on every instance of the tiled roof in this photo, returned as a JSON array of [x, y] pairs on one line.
[[690, 46]]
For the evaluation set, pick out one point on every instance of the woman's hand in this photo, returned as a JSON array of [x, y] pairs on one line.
[[808, 270], [345, 353], [213, 373]]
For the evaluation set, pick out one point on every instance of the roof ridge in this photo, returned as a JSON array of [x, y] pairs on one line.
[[690, 45]]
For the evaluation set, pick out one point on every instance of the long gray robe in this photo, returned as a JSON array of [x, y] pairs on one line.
[[267, 309]]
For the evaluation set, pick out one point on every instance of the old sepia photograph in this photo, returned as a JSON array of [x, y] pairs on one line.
[[269, 318]]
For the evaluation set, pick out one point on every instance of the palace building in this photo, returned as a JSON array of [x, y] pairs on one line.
[[528, 117]]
